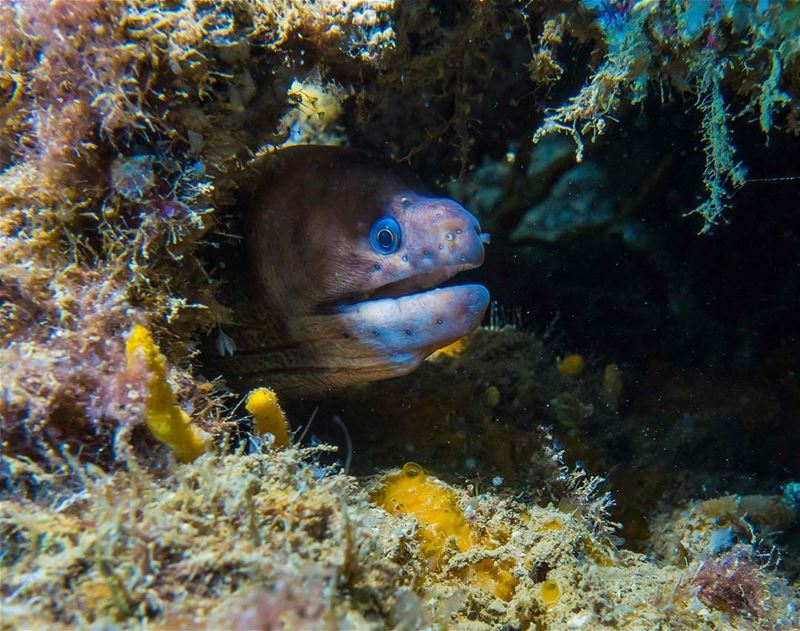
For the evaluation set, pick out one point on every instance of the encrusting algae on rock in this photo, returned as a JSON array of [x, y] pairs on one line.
[[163, 417], [127, 128]]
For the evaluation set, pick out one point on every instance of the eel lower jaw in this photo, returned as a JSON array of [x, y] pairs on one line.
[[407, 328]]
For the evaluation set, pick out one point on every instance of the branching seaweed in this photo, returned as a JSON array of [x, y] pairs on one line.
[[722, 174], [699, 48]]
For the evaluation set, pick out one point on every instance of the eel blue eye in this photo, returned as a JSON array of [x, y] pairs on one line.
[[384, 237]]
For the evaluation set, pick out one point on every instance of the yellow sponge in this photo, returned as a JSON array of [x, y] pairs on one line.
[[268, 415], [440, 520], [164, 418], [572, 365]]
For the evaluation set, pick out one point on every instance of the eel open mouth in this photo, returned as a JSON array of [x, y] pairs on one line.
[[419, 283]]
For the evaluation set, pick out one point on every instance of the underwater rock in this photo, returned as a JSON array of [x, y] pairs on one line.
[[187, 548], [580, 200], [498, 190], [484, 191], [709, 527]]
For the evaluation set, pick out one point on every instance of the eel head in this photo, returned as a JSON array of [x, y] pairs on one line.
[[346, 257]]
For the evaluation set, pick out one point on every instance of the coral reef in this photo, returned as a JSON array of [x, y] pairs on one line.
[[132, 491]]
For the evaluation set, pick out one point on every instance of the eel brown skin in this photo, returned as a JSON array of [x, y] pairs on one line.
[[320, 306]]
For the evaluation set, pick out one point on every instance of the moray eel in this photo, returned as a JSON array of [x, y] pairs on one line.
[[342, 257]]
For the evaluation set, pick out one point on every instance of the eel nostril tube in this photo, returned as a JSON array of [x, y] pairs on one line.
[[485, 238]]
